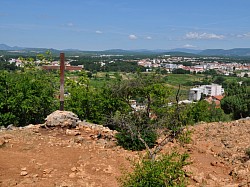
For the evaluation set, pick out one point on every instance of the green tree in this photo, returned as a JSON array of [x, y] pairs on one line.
[[210, 72], [152, 112], [237, 99], [89, 103], [8, 66], [199, 112], [180, 71], [238, 105], [26, 97], [203, 111], [219, 80]]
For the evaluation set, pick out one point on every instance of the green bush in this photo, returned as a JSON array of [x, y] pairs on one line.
[[133, 129], [248, 152], [132, 142], [165, 171], [26, 97], [184, 137]]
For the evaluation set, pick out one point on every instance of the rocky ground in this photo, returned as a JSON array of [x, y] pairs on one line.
[[218, 153], [86, 155]]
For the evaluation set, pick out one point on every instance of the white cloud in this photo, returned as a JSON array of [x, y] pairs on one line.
[[246, 35], [149, 38], [200, 36], [98, 32], [189, 46], [132, 37], [70, 24]]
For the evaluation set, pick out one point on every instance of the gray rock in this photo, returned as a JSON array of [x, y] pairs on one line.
[[62, 119], [24, 173], [10, 127]]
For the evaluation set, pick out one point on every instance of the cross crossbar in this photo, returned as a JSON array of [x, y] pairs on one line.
[[56, 67]]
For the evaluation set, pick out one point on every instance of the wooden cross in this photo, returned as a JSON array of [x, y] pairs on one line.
[[62, 68]]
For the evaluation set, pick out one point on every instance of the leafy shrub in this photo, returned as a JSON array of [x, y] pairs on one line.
[[166, 171], [132, 129], [26, 97], [248, 152], [185, 137], [132, 142]]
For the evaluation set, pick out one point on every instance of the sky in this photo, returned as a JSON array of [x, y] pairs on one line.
[[125, 24]]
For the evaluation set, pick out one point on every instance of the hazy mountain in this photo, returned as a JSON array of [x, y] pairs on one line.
[[185, 50], [6, 47], [244, 52], [74, 50], [115, 51], [229, 52]]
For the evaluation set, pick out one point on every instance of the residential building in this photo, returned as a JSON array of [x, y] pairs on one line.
[[195, 94]]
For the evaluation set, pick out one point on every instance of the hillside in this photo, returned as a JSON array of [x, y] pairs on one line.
[[229, 52], [235, 52], [38, 155]]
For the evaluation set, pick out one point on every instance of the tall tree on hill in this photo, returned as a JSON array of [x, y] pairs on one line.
[[237, 99]]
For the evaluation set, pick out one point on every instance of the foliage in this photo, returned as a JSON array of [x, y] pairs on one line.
[[185, 137], [237, 100], [131, 128], [182, 79], [96, 63], [219, 80], [45, 58], [165, 171], [203, 111], [89, 103], [247, 82], [137, 126], [180, 71], [248, 152], [28, 63], [238, 105], [8, 66], [25, 97], [210, 72], [232, 87]]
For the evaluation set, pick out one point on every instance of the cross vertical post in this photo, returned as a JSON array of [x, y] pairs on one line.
[[62, 68]]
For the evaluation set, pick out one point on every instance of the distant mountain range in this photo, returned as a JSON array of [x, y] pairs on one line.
[[7, 48], [243, 52]]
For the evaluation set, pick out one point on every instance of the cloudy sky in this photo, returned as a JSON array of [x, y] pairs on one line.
[[125, 24]]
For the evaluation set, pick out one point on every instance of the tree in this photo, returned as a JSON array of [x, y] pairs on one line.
[[237, 99], [8, 66], [199, 112], [26, 97], [180, 71], [219, 80], [210, 72], [138, 125], [165, 170], [204, 111], [238, 105], [89, 103]]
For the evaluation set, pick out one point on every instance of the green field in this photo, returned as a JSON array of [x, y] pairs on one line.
[[183, 79]]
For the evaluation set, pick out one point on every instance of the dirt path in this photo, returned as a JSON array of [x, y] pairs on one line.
[[41, 157]]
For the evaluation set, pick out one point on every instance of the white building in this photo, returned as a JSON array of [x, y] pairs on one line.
[[211, 90]]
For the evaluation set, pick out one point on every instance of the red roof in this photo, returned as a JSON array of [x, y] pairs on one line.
[[218, 97]]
